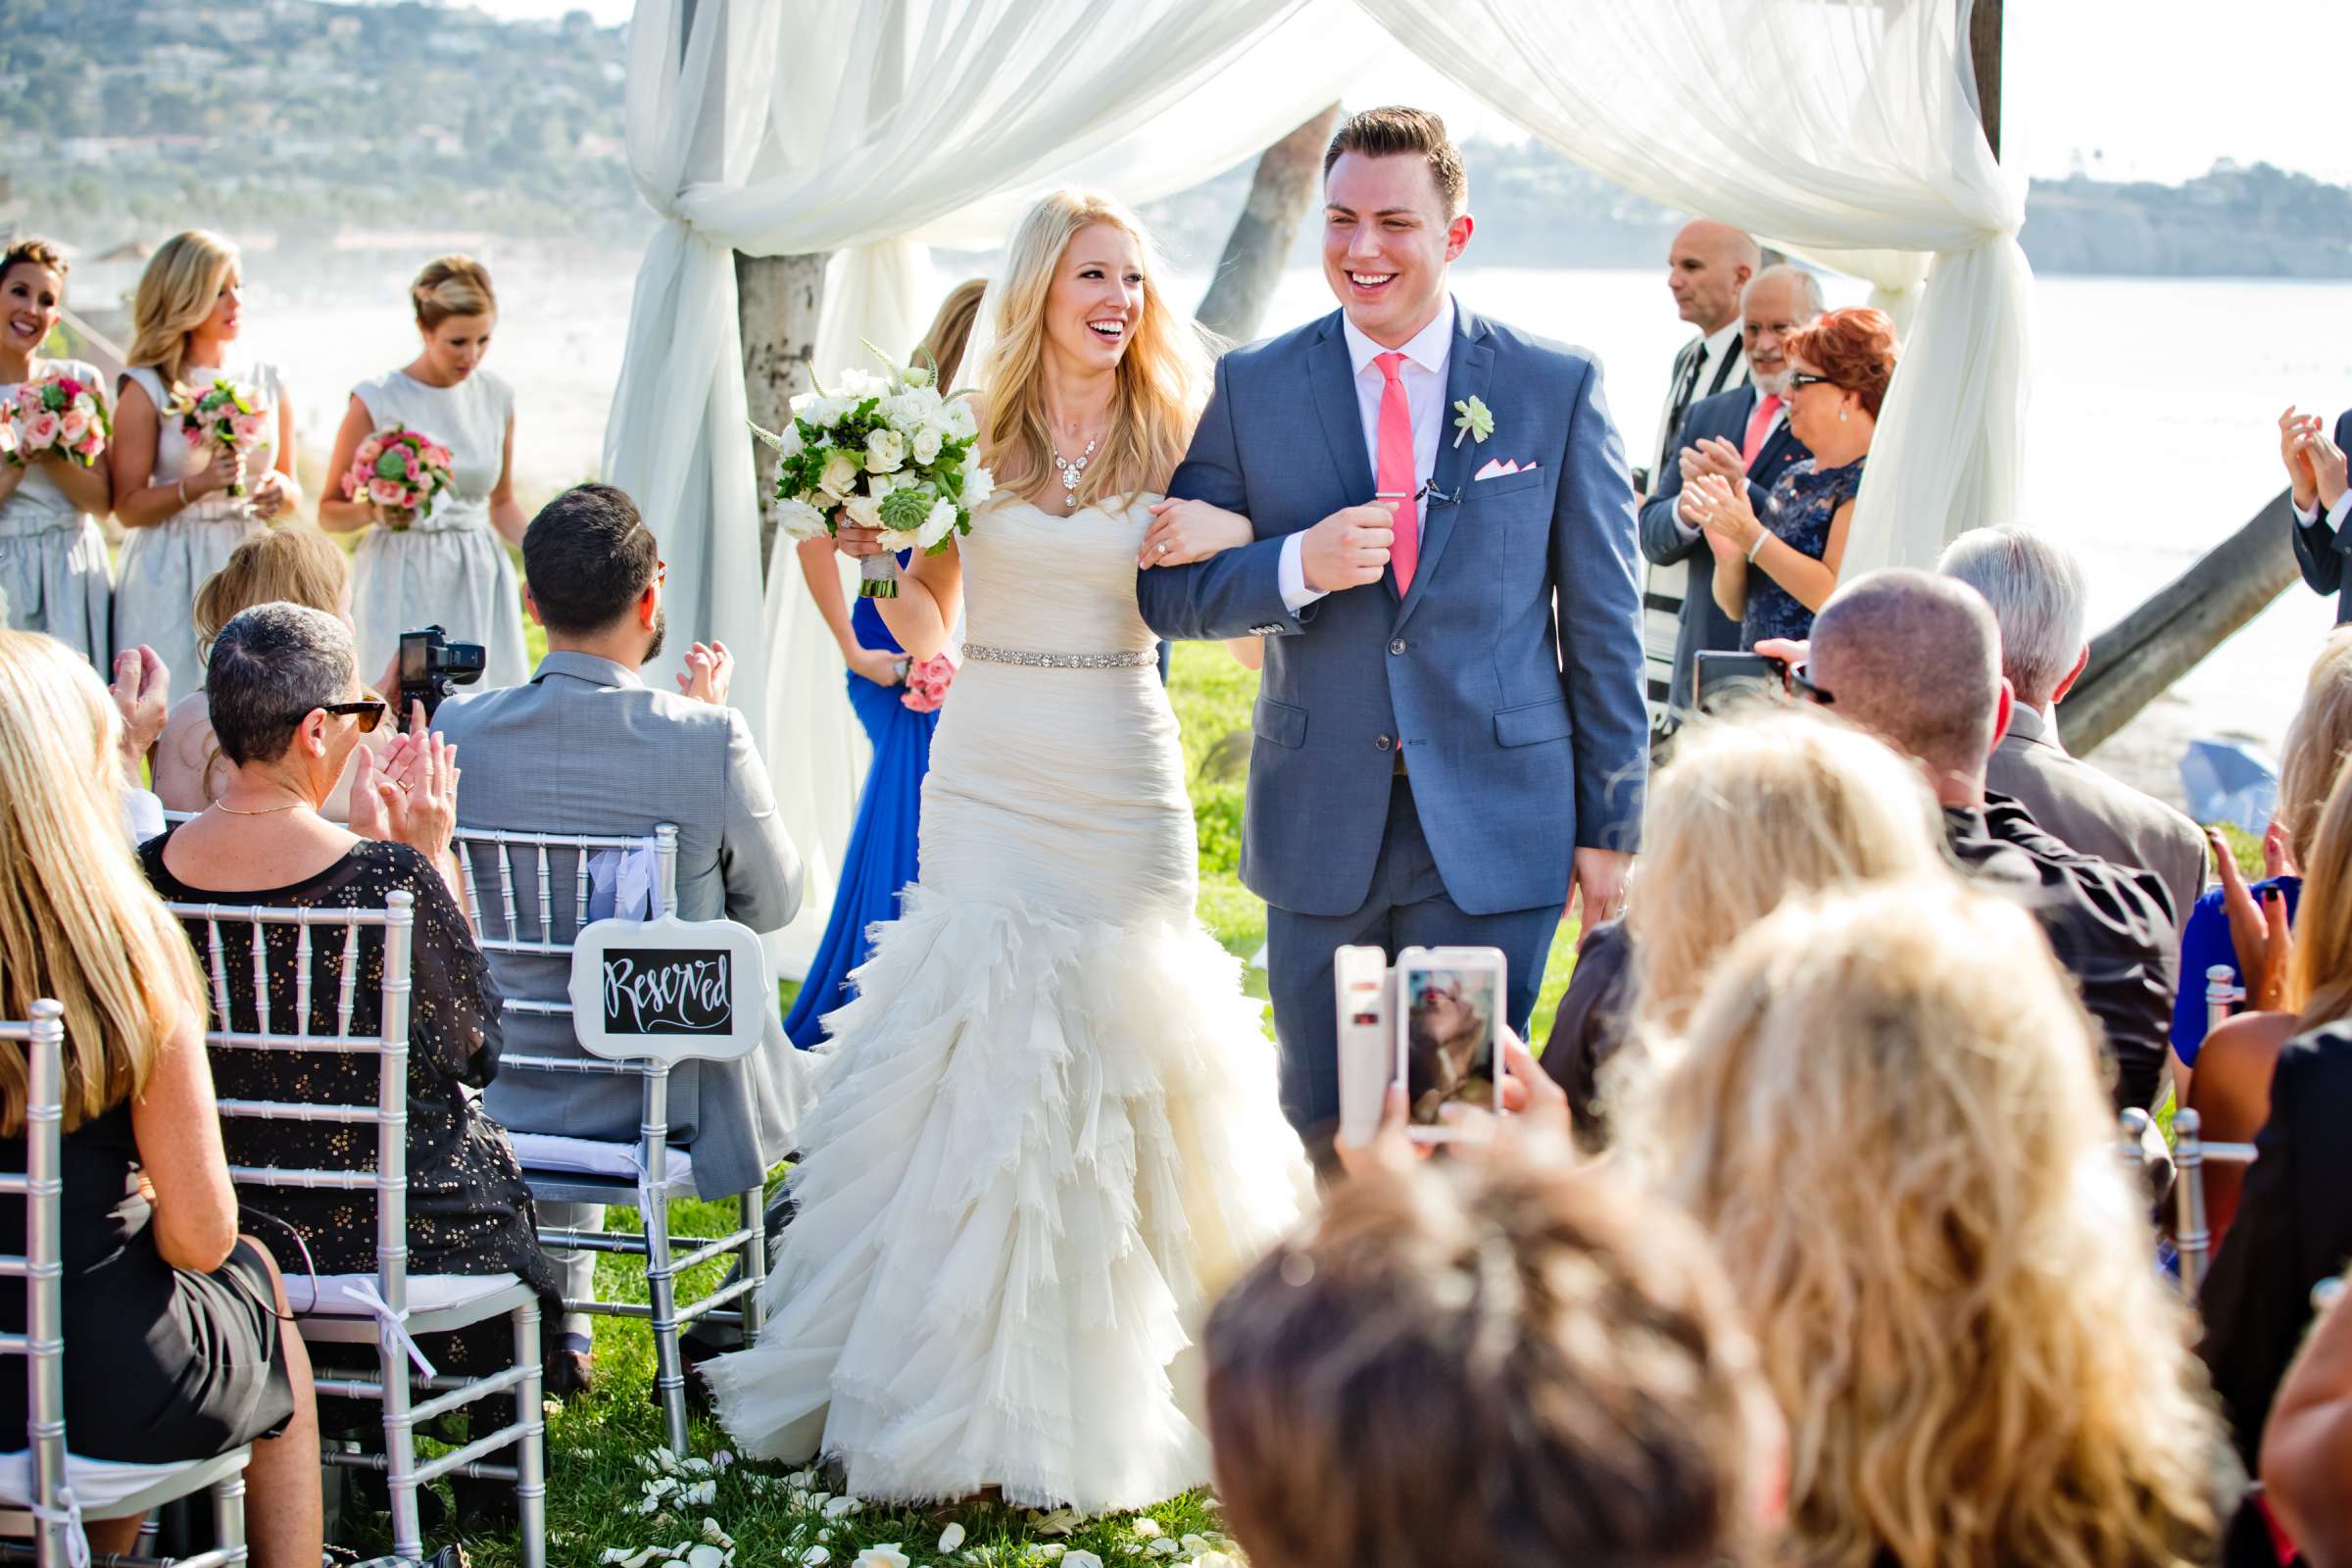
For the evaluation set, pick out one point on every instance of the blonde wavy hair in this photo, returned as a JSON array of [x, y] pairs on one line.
[[2315, 743], [1768, 802], [1886, 1111], [78, 920], [2319, 971], [1162, 378], [451, 285], [176, 292], [292, 562]]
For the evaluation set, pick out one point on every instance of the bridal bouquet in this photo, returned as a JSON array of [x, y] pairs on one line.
[[887, 452], [401, 471], [57, 413], [928, 683], [226, 416]]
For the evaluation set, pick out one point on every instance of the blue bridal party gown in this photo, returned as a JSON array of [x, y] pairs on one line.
[[881, 857]]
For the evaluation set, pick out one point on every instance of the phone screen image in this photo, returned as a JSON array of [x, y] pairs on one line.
[[1451, 1019]]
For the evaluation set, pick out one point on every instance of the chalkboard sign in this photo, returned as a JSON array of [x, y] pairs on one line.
[[671, 989]]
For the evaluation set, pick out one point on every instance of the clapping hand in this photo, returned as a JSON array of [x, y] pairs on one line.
[[1716, 455], [411, 796], [1720, 507], [2328, 465], [1185, 531], [2258, 933], [2294, 431], [710, 671], [142, 695], [270, 495]]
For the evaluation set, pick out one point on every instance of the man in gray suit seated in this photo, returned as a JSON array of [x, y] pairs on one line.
[[2036, 587], [587, 748]]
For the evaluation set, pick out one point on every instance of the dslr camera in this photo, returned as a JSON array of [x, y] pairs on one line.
[[431, 667], [1433, 1023]]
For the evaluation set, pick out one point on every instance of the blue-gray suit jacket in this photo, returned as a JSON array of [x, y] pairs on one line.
[[587, 748], [1525, 735]]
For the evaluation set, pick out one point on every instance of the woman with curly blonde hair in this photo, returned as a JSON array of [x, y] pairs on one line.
[[1886, 1112]]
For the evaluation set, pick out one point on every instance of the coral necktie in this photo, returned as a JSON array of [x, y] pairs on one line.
[[1758, 423], [1395, 476]]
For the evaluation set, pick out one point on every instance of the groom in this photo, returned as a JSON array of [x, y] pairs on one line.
[[1438, 754]]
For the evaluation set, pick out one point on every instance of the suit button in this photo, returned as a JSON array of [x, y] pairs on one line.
[[1396, 647], [1383, 743]]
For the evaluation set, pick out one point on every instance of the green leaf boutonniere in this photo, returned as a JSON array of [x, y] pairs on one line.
[[1477, 421]]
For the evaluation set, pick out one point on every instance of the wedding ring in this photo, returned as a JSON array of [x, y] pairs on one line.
[[1163, 550]]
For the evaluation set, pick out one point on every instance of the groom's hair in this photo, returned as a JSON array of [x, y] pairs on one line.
[[587, 555], [1515, 1362], [1396, 131]]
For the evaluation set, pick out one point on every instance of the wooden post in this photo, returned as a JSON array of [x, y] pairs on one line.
[[776, 303], [2135, 662], [1984, 48], [1289, 174]]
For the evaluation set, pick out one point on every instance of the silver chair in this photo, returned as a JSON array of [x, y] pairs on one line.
[[571, 1170], [2222, 993], [2193, 1241], [46, 1488], [389, 1308]]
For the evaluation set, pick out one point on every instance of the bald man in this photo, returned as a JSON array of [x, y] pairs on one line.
[[1707, 267], [1916, 658]]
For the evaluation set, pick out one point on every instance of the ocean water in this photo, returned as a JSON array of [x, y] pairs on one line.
[[2151, 425]]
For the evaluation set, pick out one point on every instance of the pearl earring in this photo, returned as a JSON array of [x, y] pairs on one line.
[[1840, 415]]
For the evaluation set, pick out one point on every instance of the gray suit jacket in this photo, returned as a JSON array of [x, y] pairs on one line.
[[2096, 813], [1525, 734], [587, 748]]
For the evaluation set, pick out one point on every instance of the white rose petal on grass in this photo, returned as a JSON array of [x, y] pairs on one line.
[[1216, 1559], [1146, 1527], [1080, 1559], [1195, 1544], [814, 1556], [1161, 1547], [843, 1507], [705, 1556], [951, 1537], [885, 1554]]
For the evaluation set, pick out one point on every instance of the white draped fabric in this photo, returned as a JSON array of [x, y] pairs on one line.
[[1842, 130]]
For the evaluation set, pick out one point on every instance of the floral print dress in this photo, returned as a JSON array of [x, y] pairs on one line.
[[1797, 512]]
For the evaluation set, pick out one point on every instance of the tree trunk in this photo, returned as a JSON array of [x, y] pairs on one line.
[[1985, 51], [1289, 174], [2133, 662], [776, 303]]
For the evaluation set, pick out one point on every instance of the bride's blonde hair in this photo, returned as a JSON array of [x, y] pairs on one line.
[[1162, 378]]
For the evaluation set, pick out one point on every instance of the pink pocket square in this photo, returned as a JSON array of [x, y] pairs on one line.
[[1498, 468]]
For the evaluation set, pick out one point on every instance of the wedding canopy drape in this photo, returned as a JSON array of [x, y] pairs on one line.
[[1842, 130]]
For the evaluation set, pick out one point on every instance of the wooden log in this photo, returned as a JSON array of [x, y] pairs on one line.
[[2135, 660], [776, 303], [1288, 174]]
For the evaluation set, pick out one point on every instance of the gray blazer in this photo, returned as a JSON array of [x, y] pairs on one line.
[[1525, 735], [588, 748], [2093, 812]]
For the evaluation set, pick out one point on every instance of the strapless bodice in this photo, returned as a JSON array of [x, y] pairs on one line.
[[1055, 583]]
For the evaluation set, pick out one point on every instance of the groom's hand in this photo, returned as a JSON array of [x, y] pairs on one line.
[[1599, 888], [1348, 549]]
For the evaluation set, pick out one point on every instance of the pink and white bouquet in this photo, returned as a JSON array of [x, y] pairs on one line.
[[928, 683], [58, 414], [401, 471], [887, 452], [226, 416]]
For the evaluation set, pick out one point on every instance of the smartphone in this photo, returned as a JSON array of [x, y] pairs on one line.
[[1449, 1034], [1361, 982], [1719, 677]]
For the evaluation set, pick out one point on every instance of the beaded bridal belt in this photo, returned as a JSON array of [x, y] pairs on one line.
[[1021, 656]]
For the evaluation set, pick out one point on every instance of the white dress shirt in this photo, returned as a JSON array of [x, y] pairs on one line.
[[1424, 375], [2335, 513], [1726, 368]]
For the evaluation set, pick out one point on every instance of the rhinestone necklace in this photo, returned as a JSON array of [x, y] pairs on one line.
[[1071, 468]]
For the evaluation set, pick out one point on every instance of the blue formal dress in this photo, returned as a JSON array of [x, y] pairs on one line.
[[881, 857], [1804, 500]]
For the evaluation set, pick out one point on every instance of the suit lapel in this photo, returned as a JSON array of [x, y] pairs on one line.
[[1466, 371], [1769, 455], [1334, 381]]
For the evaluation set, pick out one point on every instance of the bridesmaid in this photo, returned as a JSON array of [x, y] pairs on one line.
[[53, 575], [172, 493], [446, 569], [881, 855]]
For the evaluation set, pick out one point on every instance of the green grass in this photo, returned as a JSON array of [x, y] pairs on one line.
[[602, 1445]]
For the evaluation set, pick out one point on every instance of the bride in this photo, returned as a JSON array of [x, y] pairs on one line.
[[1048, 1130]]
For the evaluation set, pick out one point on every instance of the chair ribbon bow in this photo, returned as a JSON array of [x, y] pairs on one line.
[[393, 1323], [77, 1544]]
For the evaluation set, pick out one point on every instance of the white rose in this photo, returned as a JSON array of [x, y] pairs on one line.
[[855, 387], [884, 452], [818, 409], [938, 523], [841, 473], [866, 513], [962, 424], [978, 485], [926, 445], [788, 439]]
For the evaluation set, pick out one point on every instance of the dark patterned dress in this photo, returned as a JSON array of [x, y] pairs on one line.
[[1797, 512], [468, 1210]]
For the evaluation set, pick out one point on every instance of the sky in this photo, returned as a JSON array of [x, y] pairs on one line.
[[2123, 89]]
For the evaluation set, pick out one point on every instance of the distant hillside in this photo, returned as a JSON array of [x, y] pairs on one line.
[[315, 124]]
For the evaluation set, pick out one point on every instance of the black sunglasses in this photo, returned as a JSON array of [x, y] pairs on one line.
[[1797, 685], [369, 711], [1797, 378]]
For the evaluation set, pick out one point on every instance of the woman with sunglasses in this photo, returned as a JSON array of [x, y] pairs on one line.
[[1771, 573], [288, 713]]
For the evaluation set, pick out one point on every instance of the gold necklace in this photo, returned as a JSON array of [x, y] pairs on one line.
[[266, 811]]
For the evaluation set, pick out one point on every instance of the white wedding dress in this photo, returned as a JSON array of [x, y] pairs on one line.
[[1046, 1132]]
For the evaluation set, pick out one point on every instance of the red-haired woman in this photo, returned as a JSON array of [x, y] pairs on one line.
[[1774, 572]]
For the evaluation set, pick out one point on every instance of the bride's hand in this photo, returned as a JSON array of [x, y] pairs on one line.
[[1185, 531]]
